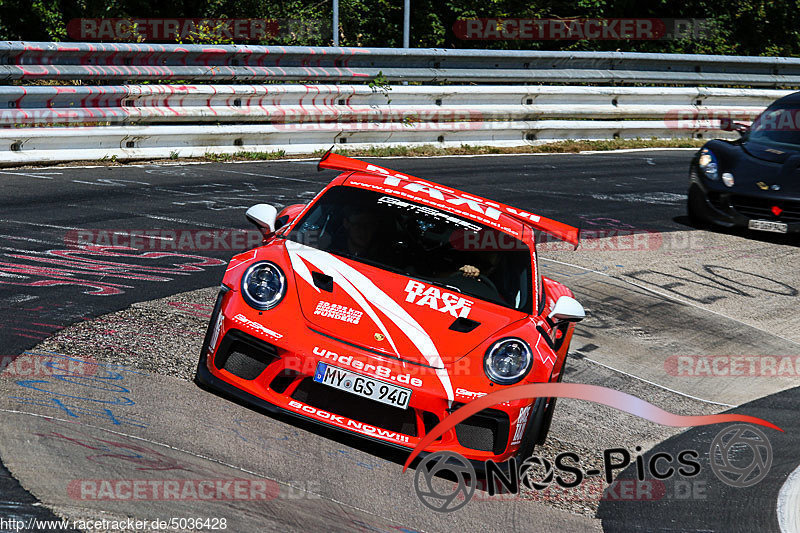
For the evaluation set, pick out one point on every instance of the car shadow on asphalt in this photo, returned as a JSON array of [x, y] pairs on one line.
[[704, 501]]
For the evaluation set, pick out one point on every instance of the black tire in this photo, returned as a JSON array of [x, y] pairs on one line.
[[539, 426], [549, 409], [532, 433], [547, 419], [696, 208], [209, 334]]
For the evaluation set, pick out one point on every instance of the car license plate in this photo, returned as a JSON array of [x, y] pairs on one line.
[[363, 386], [768, 225]]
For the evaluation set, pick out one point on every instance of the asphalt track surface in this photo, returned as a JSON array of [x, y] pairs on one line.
[[324, 480]]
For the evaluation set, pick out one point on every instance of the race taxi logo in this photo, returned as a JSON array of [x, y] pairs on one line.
[[438, 300], [338, 312]]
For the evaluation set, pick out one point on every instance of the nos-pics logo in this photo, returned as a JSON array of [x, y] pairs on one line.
[[740, 456]]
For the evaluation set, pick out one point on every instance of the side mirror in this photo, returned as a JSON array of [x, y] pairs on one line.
[[287, 215], [727, 124], [567, 309], [263, 216]]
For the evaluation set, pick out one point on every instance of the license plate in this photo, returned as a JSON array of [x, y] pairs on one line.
[[363, 386], [768, 225]]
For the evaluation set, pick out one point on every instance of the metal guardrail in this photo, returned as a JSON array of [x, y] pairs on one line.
[[21, 60], [43, 123], [325, 104], [36, 145], [155, 121]]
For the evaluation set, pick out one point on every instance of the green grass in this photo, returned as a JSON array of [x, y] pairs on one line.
[[246, 156], [431, 150], [555, 147], [417, 151]]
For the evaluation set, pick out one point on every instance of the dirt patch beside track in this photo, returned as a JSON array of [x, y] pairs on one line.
[[161, 336]]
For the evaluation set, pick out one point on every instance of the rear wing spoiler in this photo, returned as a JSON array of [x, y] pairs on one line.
[[559, 230]]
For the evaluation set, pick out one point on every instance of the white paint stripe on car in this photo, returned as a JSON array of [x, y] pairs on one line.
[[313, 256], [300, 267], [345, 275]]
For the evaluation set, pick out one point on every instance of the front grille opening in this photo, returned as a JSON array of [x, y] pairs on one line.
[[245, 362], [430, 420], [486, 431], [244, 356], [753, 207], [282, 381], [355, 407]]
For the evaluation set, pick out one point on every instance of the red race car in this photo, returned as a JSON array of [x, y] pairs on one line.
[[387, 303]]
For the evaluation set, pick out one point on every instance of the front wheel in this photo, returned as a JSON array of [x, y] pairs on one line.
[[535, 433], [539, 424], [696, 208], [549, 409]]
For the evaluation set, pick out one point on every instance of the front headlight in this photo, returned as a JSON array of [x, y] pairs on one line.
[[708, 163], [507, 361], [727, 179], [263, 285]]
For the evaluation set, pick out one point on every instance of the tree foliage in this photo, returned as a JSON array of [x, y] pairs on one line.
[[748, 27]]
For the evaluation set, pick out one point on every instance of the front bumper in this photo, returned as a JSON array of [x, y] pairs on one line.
[[275, 375], [207, 380], [731, 208]]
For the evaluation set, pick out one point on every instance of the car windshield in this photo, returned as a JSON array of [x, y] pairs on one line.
[[778, 125], [421, 242]]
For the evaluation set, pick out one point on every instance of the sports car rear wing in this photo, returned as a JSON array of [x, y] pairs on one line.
[[557, 229]]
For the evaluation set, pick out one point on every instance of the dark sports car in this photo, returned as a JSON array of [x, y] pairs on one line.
[[754, 181]]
